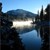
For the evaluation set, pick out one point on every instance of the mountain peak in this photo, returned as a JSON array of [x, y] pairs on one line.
[[21, 13]]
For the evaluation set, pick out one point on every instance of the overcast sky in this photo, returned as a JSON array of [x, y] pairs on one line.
[[29, 5]]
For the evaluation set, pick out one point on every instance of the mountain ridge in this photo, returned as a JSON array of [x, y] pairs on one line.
[[20, 13]]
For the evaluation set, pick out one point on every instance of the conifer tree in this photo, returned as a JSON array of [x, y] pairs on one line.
[[10, 38], [41, 14], [45, 31]]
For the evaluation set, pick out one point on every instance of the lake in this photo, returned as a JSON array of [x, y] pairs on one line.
[[30, 35], [31, 40]]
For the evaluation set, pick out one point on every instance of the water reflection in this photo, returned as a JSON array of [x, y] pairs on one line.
[[29, 34], [31, 40]]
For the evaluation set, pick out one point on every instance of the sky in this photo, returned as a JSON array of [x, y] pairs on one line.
[[29, 5]]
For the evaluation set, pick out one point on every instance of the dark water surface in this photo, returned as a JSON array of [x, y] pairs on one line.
[[30, 36], [31, 40]]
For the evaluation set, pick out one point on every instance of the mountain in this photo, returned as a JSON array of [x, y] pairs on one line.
[[20, 13]]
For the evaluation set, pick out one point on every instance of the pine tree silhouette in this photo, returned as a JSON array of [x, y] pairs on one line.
[[44, 32], [41, 14], [10, 38]]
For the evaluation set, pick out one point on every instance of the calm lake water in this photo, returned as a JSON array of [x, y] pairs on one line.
[[31, 40], [30, 37], [30, 34]]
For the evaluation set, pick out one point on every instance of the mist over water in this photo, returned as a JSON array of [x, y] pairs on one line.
[[21, 23], [24, 26], [28, 33]]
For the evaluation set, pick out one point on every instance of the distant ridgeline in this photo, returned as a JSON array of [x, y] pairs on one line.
[[18, 14], [23, 14]]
